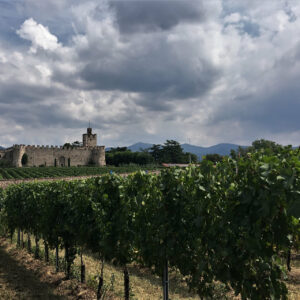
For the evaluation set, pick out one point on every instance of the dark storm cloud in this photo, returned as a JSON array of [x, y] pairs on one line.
[[146, 15], [275, 105], [160, 69], [16, 92], [35, 115], [161, 80], [137, 78], [154, 102], [276, 111]]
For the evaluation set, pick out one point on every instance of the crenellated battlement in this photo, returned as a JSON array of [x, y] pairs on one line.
[[19, 146], [52, 155]]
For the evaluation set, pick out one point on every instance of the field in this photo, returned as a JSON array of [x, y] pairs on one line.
[[53, 172], [214, 229]]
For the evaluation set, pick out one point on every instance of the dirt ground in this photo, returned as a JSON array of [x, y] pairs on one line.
[[293, 283], [23, 277]]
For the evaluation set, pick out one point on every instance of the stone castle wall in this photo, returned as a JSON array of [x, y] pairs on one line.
[[61, 156], [7, 155], [58, 156], [2, 154]]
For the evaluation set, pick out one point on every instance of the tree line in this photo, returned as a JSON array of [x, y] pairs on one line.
[[170, 152], [269, 147]]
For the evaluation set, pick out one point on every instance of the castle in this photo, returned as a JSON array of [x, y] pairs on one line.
[[64, 156]]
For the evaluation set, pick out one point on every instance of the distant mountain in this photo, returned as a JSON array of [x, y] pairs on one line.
[[139, 146], [222, 149], [2, 148], [134, 148]]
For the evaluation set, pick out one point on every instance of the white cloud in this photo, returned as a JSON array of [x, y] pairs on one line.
[[233, 18], [39, 36]]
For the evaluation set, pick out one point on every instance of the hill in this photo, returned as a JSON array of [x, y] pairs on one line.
[[2, 148], [135, 147], [222, 149], [139, 146]]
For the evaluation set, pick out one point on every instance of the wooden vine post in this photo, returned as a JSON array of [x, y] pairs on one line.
[[126, 283], [46, 251], [56, 258], [166, 281], [82, 268]]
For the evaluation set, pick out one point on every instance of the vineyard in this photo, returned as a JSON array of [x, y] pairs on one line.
[[52, 172], [235, 222]]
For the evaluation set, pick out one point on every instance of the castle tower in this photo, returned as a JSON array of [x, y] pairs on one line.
[[98, 156], [89, 139], [18, 151]]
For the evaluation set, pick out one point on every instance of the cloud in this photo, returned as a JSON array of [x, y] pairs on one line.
[[147, 16], [39, 36], [243, 24], [155, 65], [274, 105], [212, 71]]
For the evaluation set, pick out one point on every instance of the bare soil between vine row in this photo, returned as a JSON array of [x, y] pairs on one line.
[[23, 277]]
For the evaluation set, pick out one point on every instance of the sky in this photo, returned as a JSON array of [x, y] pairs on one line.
[[199, 72]]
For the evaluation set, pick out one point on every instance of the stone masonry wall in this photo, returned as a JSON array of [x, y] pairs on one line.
[[90, 153], [2, 154], [89, 140], [99, 156], [45, 155], [7, 154]]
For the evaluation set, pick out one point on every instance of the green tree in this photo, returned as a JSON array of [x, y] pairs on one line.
[[118, 149], [213, 157], [156, 152], [76, 144], [171, 152], [67, 145], [266, 144], [269, 146], [127, 157]]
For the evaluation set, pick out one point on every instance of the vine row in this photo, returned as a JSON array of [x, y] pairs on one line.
[[230, 222]]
